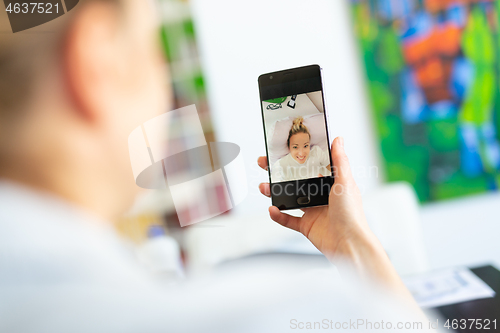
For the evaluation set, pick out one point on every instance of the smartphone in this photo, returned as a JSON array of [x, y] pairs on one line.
[[296, 136]]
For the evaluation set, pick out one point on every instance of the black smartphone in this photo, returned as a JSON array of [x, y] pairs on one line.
[[296, 136]]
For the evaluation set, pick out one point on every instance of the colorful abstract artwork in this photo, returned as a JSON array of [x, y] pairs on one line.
[[432, 70]]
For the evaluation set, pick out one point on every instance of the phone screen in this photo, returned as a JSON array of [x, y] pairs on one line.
[[296, 134]]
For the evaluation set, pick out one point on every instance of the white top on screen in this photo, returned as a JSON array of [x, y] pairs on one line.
[[288, 169]]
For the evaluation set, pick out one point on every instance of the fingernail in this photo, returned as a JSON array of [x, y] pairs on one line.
[[341, 141]]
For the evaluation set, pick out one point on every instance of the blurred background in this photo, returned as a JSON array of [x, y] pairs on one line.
[[413, 87]]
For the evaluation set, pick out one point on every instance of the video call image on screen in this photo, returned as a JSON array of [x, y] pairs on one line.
[[297, 141]]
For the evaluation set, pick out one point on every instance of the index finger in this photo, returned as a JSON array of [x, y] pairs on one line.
[[262, 162]]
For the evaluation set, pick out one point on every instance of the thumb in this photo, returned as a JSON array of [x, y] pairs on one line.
[[341, 167]]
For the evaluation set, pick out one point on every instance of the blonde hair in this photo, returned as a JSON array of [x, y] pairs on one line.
[[297, 127]]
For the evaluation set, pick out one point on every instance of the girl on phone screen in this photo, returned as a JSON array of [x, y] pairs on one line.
[[301, 162]]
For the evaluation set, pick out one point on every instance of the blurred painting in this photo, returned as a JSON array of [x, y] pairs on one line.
[[432, 70]]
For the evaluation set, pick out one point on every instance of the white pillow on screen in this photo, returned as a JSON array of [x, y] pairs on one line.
[[278, 135]]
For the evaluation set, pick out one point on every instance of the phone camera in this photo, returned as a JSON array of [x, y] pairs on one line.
[[271, 77]]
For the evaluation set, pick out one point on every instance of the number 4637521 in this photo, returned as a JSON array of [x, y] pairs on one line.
[[478, 324], [32, 7]]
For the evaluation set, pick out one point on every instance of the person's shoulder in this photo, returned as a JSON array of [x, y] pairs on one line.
[[316, 149], [283, 159], [278, 165]]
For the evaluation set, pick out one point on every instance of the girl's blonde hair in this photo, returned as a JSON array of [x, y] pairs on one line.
[[297, 127]]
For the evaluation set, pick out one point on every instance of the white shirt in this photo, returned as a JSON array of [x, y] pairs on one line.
[[287, 168], [64, 270]]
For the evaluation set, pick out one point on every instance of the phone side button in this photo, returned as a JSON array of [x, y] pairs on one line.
[[303, 200]]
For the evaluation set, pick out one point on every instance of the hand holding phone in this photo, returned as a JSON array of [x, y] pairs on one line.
[[340, 230], [327, 226]]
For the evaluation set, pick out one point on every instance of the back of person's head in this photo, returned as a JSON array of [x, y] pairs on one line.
[[71, 90], [24, 56]]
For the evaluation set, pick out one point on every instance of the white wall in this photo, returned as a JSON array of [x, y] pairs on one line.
[[464, 231], [240, 40]]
